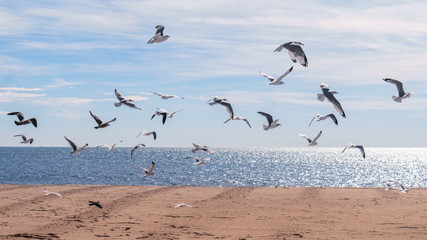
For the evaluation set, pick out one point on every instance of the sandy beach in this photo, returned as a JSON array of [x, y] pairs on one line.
[[149, 212]]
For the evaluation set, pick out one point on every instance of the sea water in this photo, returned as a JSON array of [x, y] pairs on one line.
[[250, 166]]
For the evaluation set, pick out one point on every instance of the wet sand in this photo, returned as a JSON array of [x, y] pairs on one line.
[[149, 212]]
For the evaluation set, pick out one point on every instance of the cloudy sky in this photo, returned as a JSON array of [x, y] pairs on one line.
[[60, 59]]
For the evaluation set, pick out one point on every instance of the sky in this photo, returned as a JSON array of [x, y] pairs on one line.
[[61, 59]]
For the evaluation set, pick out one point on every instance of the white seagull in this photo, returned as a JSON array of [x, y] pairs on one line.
[[199, 147], [46, 192], [126, 101], [112, 148], [402, 93], [75, 148], [271, 124], [295, 52], [331, 98], [311, 142], [22, 120], [390, 184], [165, 96], [182, 205], [277, 81], [158, 37], [224, 102], [136, 147], [198, 161], [319, 117], [360, 147], [239, 118], [148, 172], [99, 121], [145, 133], [25, 139]]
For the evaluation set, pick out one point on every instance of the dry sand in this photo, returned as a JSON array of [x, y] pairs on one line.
[[148, 212]]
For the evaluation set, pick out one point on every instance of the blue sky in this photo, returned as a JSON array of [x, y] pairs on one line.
[[60, 59]]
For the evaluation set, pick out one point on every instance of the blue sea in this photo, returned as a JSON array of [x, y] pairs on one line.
[[250, 166]]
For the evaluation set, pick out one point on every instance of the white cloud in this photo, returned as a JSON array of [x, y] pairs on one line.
[[59, 82]]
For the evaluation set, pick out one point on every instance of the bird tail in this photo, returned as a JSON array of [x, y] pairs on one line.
[[397, 99], [265, 127], [18, 123]]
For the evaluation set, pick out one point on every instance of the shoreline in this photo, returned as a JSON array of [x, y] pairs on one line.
[[149, 212]]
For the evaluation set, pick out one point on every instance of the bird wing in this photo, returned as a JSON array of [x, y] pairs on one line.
[[331, 98], [164, 116], [118, 95], [348, 146], [246, 120], [18, 114], [332, 116], [227, 120], [160, 29], [97, 119], [22, 136], [143, 169], [286, 73], [317, 137], [171, 115], [71, 143], [152, 167], [306, 137], [311, 121], [268, 116], [398, 84], [279, 48], [362, 150], [112, 120], [267, 76], [132, 105], [228, 108], [154, 135]]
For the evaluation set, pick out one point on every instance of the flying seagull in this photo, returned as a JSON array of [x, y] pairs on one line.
[[99, 121], [182, 205], [136, 147], [311, 142], [360, 147], [331, 98], [199, 147], [165, 96], [158, 37], [164, 114], [198, 161], [112, 148], [224, 102], [25, 139], [295, 52], [148, 172], [46, 192], [277, 81], [75, 148], [239, 118], [271, 124], [390, 184], [145, 133], [95, 203], [22, 120], [402, 93], [319, 117], [126, 101]]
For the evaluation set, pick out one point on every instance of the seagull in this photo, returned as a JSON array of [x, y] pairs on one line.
[[390, 184], [224, 102], [182, 205], [136, 147], [126, 101], [271, 124], [399, 85], [165, 97], [164, 114], [199, 147], [159, 37], [331, 98], [22, 120], [295, 52], [145, 133], [310, 141], [46, 192], [360, 147], [99, 121], [319, 117], [236, 182], [148, 172], [239, 118], [93, 203], [198, 161], [75, 148], [112, 148], [277, 81], [25, 139]]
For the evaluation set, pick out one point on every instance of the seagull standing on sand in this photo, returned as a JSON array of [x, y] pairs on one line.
[[148, 172], [136, 147], [295, 52], [46, 192], [22, 120], [402, 93], [224, 102], [199, 147], [112, 148], [165, 97], [360, 147], [331, 98], [310, 141], [25, 139], [271, 124], [198, 161], [239, 118], [319, 117], [126, 101], [158, 37], [145, 133], [277, 81], [99, 121], [75, 148]]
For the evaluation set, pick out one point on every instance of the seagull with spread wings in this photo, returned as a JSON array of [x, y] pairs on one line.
[[99, 121], [331, 98], [311, 142], [360, 147], [25, 139], [277, 81], [400, 90], [319, 117], [223, 102], [295, 52], [126, 101], [271, 124], [22, 120], [158, 37], [148, 172], [239, 118], [145, 133], [74, 147]]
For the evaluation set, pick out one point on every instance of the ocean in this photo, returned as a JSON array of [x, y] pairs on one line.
[[301, 167]]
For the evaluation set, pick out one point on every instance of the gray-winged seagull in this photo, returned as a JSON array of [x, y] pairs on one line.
[[295, 52], [331, 98], [402, 93], [199, 147], [25, 139], [22, 120], [145, 133], [99, 121], [224, 102], [239, 118], [360, 147], [311, 142], [148, 172], [277, 81], [74, 147], [126, 101], [271, 124], [158, 37], [319, 117]]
